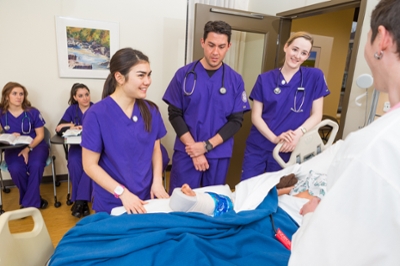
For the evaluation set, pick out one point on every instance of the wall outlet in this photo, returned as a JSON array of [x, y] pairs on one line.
[[386, 106]]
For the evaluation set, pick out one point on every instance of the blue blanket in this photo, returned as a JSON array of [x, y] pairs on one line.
[[244, 238]]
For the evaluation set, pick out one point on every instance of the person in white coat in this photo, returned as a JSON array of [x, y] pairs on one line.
[[358, 221]]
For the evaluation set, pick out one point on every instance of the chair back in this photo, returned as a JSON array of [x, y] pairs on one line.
[[47, 136], [27, 248]]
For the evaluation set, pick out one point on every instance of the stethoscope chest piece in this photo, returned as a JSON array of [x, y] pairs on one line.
[[7, 127], [277, 90], [222, 90], [134, 118]]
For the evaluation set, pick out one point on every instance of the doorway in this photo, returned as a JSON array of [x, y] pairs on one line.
[[256, 40], [267, 34]]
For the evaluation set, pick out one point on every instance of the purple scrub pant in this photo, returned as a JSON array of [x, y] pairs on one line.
[[81, 182], [183, 171], [258, 161], [27, 177]]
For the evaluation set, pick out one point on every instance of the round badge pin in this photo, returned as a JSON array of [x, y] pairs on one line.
[[277, 90], [134, 118]]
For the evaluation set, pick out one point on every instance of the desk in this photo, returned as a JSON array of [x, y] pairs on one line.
[[4, 147], [58, 140]]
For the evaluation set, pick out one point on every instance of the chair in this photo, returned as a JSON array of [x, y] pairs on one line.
[[50, 161], [310, 145], [26, 248]]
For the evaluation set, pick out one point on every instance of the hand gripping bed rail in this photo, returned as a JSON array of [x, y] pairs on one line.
[[26, 248], [311, 144]]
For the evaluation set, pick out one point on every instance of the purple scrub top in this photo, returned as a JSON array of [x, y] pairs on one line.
[[125, 148], [74, 114], [206, 111], [277, 112], [27, 121]]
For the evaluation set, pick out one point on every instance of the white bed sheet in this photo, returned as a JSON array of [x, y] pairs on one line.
[[251, 192]]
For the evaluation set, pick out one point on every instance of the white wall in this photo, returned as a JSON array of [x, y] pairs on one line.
[[29, 53], [157, 27]]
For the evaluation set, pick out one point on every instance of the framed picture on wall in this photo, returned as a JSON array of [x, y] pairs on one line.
[[85, 47], [313, 60]]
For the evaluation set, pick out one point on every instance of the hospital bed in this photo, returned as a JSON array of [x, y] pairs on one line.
[[311, 144], [317, 140], [161, 237]]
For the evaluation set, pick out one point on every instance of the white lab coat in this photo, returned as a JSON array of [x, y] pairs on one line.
[[358, 221]]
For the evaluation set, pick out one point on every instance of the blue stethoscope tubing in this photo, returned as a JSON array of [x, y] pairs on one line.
[[7, 127], [277, 90], [222, 90]]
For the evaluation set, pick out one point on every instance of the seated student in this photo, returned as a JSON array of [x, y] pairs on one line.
[[25, 164], [79, 102]]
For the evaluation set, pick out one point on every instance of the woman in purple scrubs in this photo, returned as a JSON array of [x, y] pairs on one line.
[[121, 141], [286, 103], [26, 165], [79, 102]]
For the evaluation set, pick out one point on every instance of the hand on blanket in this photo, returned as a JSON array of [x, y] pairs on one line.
[[132, 203], [310, 206], [158, 191]]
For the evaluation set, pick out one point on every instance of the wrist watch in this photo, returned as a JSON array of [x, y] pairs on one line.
[[30, 148], [303, 129], [208, 146], [118, 191]]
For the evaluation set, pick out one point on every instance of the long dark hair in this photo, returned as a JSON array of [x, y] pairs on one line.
[[122, 61], [74, 89], [5, 102]]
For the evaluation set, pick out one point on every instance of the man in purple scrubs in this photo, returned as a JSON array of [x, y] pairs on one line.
[[206, 101]]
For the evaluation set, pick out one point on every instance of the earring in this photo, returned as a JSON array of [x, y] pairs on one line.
[[378, 56]]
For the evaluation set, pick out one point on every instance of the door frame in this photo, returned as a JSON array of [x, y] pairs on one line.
[[247, 23], [331, 6]]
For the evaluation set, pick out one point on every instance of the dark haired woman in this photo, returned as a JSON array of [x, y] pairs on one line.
[[79, 102], [121, 141], [26, 164]]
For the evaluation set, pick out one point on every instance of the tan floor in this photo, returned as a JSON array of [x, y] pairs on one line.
[[58, 220]]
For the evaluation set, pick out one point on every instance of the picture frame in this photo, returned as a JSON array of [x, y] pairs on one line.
[[313, 60], [85, 47]]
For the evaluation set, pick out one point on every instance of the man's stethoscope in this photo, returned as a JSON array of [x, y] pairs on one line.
[[222, 90], [277, 90], [7, 127]]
